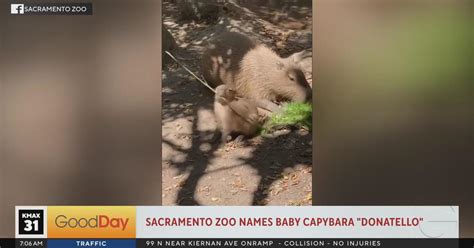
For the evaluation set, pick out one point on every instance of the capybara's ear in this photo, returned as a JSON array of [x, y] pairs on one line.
[[279, 65]]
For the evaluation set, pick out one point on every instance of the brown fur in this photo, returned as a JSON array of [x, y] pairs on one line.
[[234, 115], [254, 70]]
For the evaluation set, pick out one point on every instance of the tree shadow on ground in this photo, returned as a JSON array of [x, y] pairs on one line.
[[274, 155]]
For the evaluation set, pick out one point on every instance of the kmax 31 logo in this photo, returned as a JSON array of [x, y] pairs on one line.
[[99, 221]]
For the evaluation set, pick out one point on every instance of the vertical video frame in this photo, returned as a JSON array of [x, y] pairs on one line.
[[237, 111]]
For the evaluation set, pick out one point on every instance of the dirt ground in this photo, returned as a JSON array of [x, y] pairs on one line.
[[273, 170]]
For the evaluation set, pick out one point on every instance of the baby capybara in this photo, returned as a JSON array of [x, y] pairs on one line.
[[234, 115], [254, 71]]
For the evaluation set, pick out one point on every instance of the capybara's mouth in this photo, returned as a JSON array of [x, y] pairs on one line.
[[309, 97]]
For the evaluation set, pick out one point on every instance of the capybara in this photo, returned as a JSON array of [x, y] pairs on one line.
[[234, 115], [254, 71]]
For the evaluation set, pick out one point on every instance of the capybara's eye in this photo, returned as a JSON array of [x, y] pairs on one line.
[[291, 77]]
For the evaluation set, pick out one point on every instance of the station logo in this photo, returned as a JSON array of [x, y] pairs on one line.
[[30, 222], [91, 222]]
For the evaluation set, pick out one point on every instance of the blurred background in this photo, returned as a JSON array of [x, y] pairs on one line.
[[80, 106], [394, 104]]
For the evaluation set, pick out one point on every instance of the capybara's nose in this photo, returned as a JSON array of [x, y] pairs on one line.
[[309, 96]]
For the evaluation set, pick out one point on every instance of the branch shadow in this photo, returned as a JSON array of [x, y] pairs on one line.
[[275, 155]]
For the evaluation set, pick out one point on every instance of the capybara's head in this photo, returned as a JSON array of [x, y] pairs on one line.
[[291, 83], [224, 94]]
